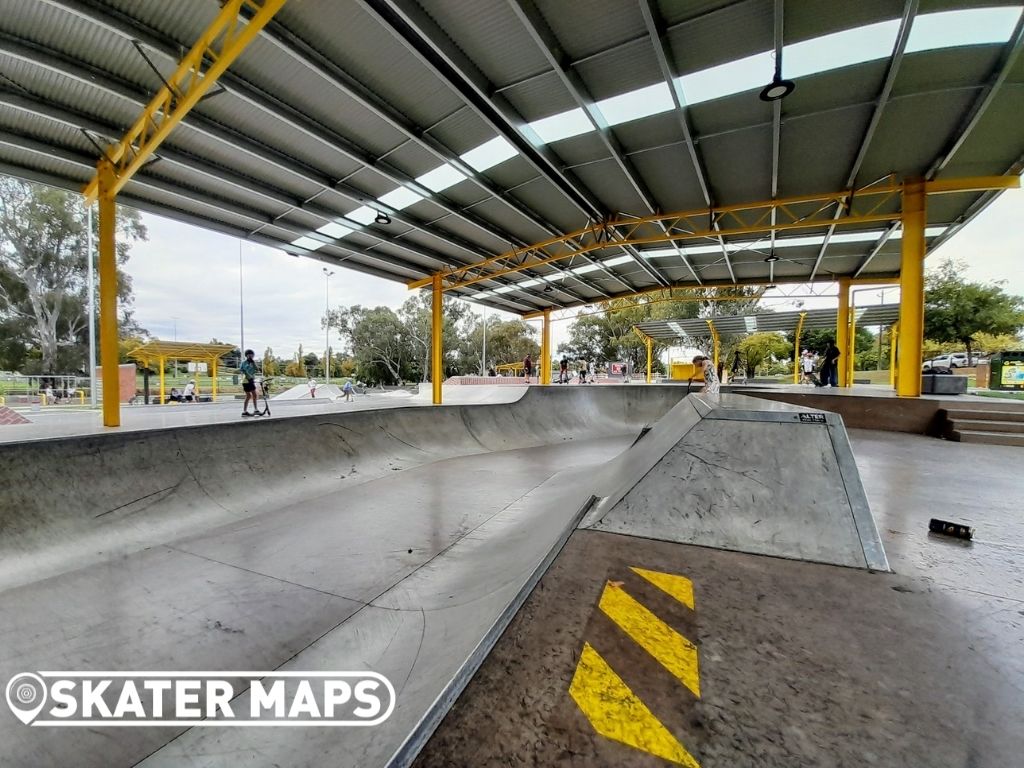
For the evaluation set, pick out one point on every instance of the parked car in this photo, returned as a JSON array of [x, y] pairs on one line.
[[952, 360]]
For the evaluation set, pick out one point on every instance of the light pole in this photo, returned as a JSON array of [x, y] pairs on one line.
[[92, 312], [241, 307], [327, 325], [483, 359]]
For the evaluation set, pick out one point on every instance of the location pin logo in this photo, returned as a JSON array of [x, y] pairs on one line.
[[26, 695]]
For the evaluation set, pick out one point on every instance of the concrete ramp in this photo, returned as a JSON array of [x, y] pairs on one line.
[[741, 474], [301, 392]]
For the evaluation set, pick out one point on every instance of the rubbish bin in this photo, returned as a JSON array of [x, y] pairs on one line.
[[1007, 370], [982, 375]]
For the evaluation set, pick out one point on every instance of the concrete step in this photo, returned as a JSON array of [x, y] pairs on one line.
[[984, 414], [986, 425], [992, 438]]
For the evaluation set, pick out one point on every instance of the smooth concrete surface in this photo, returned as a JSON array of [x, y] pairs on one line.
[[750, 476], [390, 540], [800, 664]]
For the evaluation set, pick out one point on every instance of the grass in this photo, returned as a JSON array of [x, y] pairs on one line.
[[1001, 395]]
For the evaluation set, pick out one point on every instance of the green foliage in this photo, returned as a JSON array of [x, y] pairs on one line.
[[764, 349], [270, 366], [44, 276], [956, 310], [508, 341]]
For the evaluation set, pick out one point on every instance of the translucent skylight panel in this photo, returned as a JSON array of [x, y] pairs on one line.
[[335, 230], [481, 295], [968, 26], [643, 102], [562, 126], [441, 178], [400, 198], [732, 77], [840, 49], [585, 268], [505, 289], [362, 214], [309, 243], [489, 154], [625, 259], [529, 283]]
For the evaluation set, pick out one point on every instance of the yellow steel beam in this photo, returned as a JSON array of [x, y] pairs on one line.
[[215, 50], [109, 357], [702, 286], [912, 290], [714, 342], [796, 348], [843, 331], [974, 184], [894, 335], [436, 330], [758, 217], [545, 348]]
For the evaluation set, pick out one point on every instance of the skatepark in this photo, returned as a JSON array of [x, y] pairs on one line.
[[640, 571]]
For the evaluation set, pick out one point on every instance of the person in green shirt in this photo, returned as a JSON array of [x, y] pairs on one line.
[[248, 369]]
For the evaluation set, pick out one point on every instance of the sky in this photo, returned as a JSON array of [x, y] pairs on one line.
[[186, 282]]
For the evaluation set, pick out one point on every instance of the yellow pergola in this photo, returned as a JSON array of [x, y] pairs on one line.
[[162, 351]]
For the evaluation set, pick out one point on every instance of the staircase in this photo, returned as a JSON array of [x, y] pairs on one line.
[[993, 426]]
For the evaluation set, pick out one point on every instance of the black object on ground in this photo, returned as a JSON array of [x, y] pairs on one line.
[[950, 529]]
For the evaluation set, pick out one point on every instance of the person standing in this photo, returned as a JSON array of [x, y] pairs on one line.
[[191, 395], [711, 383], [830, 366], [248, 370], [348, 390], [563, 370], [312, 386], [807, 366], [528, 368]]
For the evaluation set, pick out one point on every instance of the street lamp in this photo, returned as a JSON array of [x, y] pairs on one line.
[[327, 324]]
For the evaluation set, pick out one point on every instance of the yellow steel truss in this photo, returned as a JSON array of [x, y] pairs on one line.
[[221, 43], [874, 204]]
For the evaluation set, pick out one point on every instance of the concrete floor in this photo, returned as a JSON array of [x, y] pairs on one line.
[[800, 664]]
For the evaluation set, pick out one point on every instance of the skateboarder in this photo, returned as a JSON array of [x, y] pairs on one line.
[[248, 370], [348, 390], [563, 371], [711, 385], [528, 368]]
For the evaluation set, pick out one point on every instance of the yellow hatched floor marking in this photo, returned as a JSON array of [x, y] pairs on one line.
[[618, 714], [670, 649], [680, 587]]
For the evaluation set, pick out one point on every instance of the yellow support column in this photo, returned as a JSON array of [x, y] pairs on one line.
[[843, 331], [714, 342], [650, 358], [436, 331], [161, 362], [796, 348], [850, 355], [911, 290], [545, 348], [213, 386], [894, 334], [108, 297]]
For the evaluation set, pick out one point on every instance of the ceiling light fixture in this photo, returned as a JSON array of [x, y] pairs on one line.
[[777, 89], [771, 259], [381, 218]]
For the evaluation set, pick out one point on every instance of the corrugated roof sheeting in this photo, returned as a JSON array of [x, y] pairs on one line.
[[591, 27], [739, 165], [580, 150], [836, 89], [356, 42], [734, 32], [805, 20], [540, 97], [180, 20], [611, 186], [461, 130], [998, 135], [675, 12], [966, 66], [621, 70], [649, 132], [738, 111], [671, 178], [34, 126], [817, 153], [913, 131], [489, 32]]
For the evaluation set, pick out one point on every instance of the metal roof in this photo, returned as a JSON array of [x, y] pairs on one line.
[[778, 322], [489, 126]]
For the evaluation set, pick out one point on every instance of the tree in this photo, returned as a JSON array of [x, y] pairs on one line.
[[508, 341], [378, 340], [989, 344], [416, 315], [269, 363], [759, 348], [957, 310], [44, 269]]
